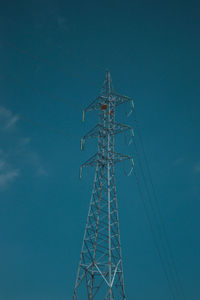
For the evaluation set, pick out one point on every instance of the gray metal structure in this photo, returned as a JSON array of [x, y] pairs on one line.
[[100, 272]]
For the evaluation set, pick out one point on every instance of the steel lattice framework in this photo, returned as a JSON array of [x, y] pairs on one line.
[[100, 272]]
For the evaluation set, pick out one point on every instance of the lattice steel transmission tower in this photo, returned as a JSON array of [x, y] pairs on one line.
[[100, 272]]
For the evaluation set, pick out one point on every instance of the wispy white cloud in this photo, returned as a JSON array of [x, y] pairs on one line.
[[41, 171], [11, 122], [193, 166], [50, 18], [7, 177], [5, 112], [62, 22], [24, 141], [7, 118], [7, 172], [34, 159], [197, 167], [13, 160], [2, 164], [178, 161]]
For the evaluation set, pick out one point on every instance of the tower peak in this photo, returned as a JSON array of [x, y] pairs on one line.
[[107, 87]]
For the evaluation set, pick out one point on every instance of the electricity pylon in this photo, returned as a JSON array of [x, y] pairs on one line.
[[100, 272]]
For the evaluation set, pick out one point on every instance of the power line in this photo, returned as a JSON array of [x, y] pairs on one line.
[[169, 263], [162, 228], [154, 236]]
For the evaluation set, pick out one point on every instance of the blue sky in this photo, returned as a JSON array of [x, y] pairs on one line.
[[53, 57]]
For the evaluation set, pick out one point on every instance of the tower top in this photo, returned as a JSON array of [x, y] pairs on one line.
[[107, 87]]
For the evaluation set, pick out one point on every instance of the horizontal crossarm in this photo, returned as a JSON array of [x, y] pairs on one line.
[[120, 99], [95, 104], [103, 160], [100, 131]]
